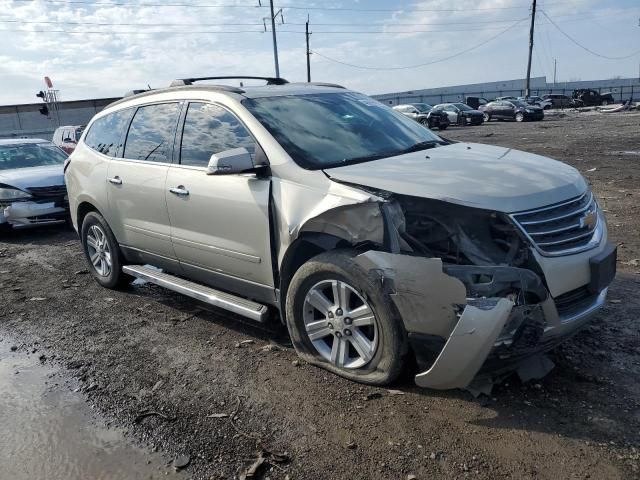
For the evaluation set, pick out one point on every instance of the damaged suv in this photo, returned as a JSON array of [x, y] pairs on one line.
[[377, 241]]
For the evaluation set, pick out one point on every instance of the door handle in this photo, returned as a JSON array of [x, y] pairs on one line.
[[115, 180], [179, 190]]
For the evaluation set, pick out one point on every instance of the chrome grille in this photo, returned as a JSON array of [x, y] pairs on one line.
[[51, 191], [563, 228]]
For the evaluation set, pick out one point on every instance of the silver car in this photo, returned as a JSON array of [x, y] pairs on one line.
[[32, 189], [374, 239]]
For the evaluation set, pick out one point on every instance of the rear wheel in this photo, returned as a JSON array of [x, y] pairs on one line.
[[102, 252], [341, 321], [519, 117]]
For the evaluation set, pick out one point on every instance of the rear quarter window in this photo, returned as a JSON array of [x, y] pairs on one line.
[[106, 134]]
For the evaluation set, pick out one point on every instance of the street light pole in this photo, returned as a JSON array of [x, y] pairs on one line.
[[275, 41]]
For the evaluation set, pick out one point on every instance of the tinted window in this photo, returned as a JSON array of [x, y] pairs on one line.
[[210, 129], [324, 130], [30, 155], [151, 133], [106, 133]]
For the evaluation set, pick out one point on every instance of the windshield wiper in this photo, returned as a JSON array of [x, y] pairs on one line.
[[420, 146]]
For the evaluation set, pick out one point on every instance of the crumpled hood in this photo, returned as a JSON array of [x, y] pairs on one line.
[[482, 176], [24, 178]]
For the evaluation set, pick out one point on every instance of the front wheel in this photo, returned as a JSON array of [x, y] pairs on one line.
[[340, 320], [486, 117], [102, 252], [443, 126], [424, 122], [519, 117]]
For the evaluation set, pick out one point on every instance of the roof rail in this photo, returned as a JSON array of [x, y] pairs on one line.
[[190, 81], [131, 93], [324, 84]]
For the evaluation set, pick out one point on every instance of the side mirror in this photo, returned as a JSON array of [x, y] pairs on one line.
[[236, 160]]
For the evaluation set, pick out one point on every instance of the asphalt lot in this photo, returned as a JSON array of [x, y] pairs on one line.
[[147, 349]]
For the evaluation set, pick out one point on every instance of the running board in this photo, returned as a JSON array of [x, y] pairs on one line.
[[241, 306]]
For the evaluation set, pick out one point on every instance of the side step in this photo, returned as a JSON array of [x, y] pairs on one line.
[[241, 306]]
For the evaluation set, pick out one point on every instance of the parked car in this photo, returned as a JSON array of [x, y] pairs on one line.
[[561, 101], [32, 189], [461, 114], [67, 137], [511, 110], [425, 114], [538, 101], [475, 102], [590, 97], [376, 240], [508, 97]]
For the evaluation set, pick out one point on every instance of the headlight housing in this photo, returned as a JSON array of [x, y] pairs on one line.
[[8, 193]]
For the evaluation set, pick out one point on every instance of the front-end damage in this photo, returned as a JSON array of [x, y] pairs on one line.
[[22, 214], [464, 281]]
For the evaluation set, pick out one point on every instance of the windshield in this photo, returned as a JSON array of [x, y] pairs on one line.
[[423, 107], [519, 103], [463, 106], [326, 130], [30, 155]]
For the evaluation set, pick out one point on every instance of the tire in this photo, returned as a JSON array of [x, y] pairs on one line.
[[442, 127], [387, 340], [424, 122], [97, 238], [519, 117], [486, 117]]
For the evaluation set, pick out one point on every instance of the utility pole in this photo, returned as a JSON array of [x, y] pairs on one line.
[[275, 41], [533, 22], [306, 32], [554, 71]]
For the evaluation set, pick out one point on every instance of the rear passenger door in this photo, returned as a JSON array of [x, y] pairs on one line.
[[219, 223], [136, 182]]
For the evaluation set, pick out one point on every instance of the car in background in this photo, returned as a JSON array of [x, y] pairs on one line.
[[508, 97], [475, 102], [461, 114], [536, 100], [67, 137], [590, 97], [424, 114], [562, 101], [511, 110], [32, 188]]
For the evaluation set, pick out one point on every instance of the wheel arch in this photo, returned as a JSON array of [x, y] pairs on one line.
[[81, 212], [303, 249]]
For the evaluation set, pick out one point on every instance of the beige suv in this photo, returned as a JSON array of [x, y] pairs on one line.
[[375, 240]]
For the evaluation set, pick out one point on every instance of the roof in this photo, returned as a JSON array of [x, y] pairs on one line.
[[246, 91], [22, 141]]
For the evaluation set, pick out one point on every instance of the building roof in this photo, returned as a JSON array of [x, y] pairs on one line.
[[22, 141]]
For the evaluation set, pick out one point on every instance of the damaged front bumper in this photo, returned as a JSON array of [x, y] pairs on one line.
[[25, 214], [458, 326]]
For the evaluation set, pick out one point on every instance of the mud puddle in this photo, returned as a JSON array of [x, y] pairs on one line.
[[49, 431]]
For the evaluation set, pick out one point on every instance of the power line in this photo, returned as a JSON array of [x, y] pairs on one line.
[[406, 67], [98, 32], [582, 46]]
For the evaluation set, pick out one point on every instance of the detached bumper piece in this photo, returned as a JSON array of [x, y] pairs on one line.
[[467, 347]]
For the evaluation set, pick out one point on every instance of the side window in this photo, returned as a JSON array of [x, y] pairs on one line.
[[210, 129], [105, 134], [151, 133]]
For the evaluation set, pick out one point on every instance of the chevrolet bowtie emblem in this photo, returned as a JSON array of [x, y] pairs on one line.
[[589, 220]]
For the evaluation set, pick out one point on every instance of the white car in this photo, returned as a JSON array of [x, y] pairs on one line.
[[543, 103], [32, 189]]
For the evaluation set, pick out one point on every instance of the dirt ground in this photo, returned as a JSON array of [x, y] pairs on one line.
[[146, 349]]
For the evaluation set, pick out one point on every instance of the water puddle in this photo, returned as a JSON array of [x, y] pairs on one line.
[[48, 431]]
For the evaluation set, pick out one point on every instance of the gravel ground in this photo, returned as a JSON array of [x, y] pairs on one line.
[[229, 390]]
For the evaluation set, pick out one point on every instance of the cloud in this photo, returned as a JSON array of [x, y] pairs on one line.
[[107, 63]]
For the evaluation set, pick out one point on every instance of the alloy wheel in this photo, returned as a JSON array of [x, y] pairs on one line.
[[340, 324], [99, 251]]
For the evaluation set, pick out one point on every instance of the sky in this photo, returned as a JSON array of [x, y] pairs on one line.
[[103, 48]]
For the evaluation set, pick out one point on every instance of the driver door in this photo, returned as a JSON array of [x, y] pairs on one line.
[[219, 223]]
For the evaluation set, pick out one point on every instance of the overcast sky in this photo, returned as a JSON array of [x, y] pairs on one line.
[[97, 62]]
